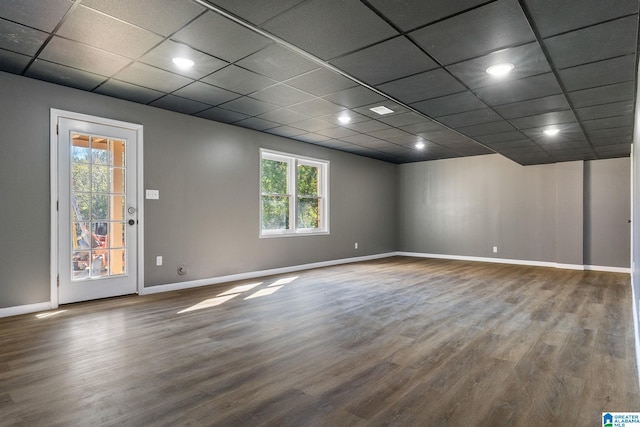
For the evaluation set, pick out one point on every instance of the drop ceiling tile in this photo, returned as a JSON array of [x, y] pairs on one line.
[[160, 16], [321, 82], [283, 116], [430, 84], [469, 118], [533, 107], [555, 17], [315, 27], [221, 115], [337, 132], [614, 155], [520, 90], [411, 14], [501, 146], [312, 125], [316, 108], [389, 133], [180, 105], [501, 137], [603, 142], [83, 57], [282, 95], [151, 77], [335, 118], [104, 32], [206, 93], [256, 124], [404, 119], [161, 56], [255, 12], [545, 119], [368, 126], [612, 147], [529, 60], [239, 80], [465, 36], [13, 62], [449, 104], [406, 140], [62, 75], [278, 63], [232, 41], [568, 132], [486, 128], [20, 39], [439, 136], [605, 110], [312, 137], [600, 73], [355, 97], [128, 91], [614, 38], [426, 126], [249, 106], [608, 122], [286, 131], [602, 95], [621, 132], [401, 58], [35, 13], [362, 139]]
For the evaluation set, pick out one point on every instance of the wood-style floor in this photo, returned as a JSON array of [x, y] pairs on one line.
[[393, 342]]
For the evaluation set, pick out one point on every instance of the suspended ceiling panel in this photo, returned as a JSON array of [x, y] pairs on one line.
[[312, 70]]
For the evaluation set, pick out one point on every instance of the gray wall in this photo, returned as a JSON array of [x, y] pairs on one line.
[[207, 173], [536, 213]]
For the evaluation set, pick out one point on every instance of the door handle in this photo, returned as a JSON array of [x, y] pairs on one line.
[[131, 210]]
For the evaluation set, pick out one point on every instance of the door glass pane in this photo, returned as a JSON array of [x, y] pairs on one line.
[[98, 207]]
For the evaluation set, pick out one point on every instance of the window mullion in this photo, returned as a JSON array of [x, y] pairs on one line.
[[293, 201]]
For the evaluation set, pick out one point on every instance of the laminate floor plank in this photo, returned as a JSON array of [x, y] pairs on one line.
[[392, 342]]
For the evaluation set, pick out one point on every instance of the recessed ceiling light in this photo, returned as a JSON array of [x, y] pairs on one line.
[[382, 110], [500, 70], [420, 145], [344, 119], [183, 62], [551, 131]]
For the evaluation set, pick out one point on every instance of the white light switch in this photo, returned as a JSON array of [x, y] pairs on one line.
[[158, 260], [153, 194]]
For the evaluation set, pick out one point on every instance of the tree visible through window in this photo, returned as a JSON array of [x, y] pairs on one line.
[[293, 194]]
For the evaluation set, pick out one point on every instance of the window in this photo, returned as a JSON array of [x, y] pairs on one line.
[[294, 195]]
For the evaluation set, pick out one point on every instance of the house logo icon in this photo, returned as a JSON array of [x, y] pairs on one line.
[[607, 420]]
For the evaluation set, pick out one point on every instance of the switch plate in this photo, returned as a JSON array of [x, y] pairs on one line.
[[153, 194], [355, 246], [158, 260], [495, 249]]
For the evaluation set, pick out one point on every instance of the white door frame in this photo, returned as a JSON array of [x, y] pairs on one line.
[[53, 147]]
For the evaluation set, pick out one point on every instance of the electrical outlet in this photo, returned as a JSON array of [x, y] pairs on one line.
[[153, 194], [495, 249], [158, 260], [355, 246]]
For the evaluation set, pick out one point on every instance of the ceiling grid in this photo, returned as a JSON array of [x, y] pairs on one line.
[[311, 70]]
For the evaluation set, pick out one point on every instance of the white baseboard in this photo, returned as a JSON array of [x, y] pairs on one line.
[[608, 269], [255, 274], [519, 262], [24, 309]]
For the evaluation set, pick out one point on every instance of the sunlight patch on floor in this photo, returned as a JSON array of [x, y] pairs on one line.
[[49, 314]]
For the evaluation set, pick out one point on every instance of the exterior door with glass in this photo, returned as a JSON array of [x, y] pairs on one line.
[[97, 214]]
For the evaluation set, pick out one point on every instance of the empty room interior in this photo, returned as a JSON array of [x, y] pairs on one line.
[[318, 212]]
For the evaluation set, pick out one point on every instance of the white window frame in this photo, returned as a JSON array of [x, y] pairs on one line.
[[293, 162]]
